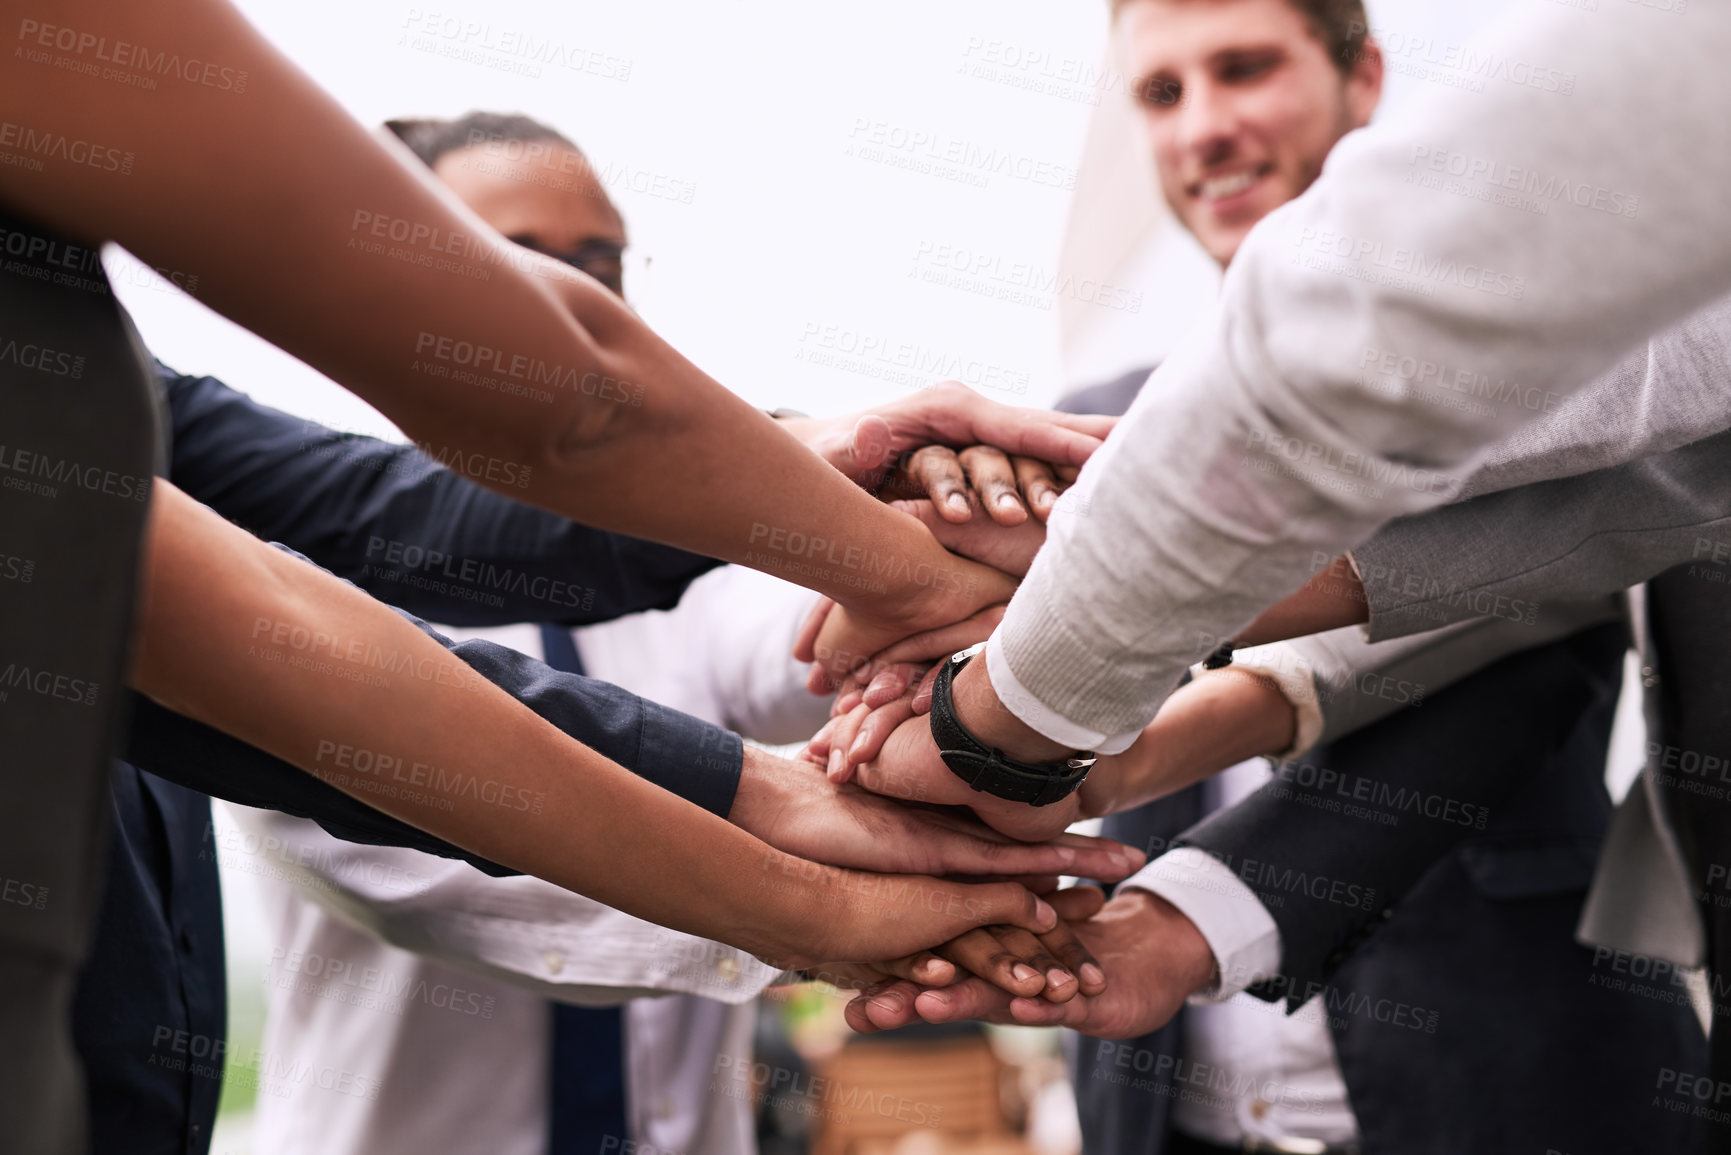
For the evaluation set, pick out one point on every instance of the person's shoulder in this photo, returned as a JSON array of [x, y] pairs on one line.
[[1110, 398]]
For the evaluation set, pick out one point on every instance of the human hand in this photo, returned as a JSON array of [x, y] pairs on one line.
[[979, 479], [1054, 966], [865, 445], [937, 596], [1007, 546], [811, 913], [885, 675], [909, 766], [792, 806], [1154, 958], [1009, 549]]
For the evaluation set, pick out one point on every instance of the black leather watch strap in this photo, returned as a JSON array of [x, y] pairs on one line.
[[990, 770]]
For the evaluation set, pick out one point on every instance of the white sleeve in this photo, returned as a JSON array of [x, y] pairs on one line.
[[750, 621], [1239, 930], [520, 930], [1311, 412]]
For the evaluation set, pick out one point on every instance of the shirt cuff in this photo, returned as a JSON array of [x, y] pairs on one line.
[[1240, 932], [1291, 673], [1035, 713], [693, 759]]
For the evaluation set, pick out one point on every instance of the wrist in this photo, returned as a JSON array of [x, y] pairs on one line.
[[979, 709], [1189, 960], [758, 797]]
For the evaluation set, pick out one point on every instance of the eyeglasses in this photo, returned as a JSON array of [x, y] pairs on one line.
[[603, 260]]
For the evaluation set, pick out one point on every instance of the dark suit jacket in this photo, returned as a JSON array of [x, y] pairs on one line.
[[149, 1010], [1464, 1015]]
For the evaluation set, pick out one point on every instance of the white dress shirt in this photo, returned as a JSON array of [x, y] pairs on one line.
[[408, 993], [1268, 1075]]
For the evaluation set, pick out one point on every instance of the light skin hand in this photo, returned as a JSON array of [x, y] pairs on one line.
[[910, 767], [1153, 956], [1216, 720], [793, 807]]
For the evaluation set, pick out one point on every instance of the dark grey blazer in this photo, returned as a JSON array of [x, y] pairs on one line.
[[1464, 1015]]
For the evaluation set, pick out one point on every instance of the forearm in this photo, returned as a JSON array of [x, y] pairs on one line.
[[694, 760], [475, 768], [492, 350], [1216, 720], [412, 531], [1263, 445]]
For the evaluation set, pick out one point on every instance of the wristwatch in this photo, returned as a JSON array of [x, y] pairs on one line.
[[991, 770]]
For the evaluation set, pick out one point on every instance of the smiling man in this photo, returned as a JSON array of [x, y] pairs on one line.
[[1470, 949], [1244, 99]]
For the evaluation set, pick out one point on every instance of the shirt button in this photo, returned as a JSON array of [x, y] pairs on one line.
[[555, 962], [727, 968]]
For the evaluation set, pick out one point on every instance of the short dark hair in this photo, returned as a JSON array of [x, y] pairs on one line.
[[1341, 25], [430, 139]]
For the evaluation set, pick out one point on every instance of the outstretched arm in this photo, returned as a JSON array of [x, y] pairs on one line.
[[300, 665], [336, 247], [411, 525]]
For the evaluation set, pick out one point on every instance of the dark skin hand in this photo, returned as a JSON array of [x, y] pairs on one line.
[[1008, 488], [1053, 967], [1154, 957]]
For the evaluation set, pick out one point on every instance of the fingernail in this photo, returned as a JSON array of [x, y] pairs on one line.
[[1023, 973], [1091, 974], [836, 761], [957, 502], [858, 745], [1008, 501], [1044, 912], [1066, 856], [1058, 978]]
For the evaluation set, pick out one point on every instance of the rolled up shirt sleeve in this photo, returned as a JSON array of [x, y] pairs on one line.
[[1291, 429]]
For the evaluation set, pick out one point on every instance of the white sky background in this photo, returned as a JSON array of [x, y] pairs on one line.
[[786, 235]]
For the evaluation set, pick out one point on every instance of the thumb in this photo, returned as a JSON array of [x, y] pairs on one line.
[[868, 449]]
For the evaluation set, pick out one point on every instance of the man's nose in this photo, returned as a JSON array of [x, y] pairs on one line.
[[1207, 122]]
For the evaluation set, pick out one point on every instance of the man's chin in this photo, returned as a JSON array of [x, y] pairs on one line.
[[1223, 245]]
